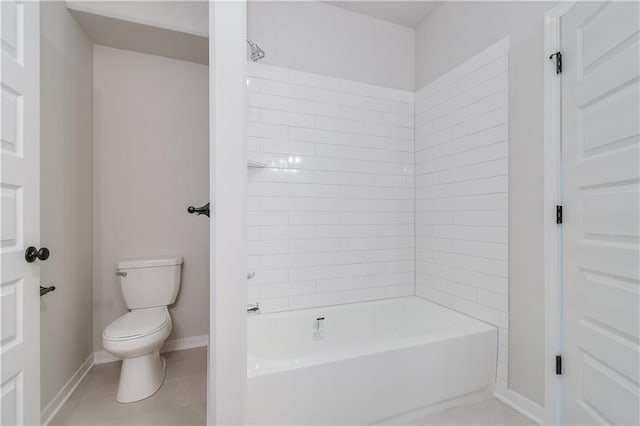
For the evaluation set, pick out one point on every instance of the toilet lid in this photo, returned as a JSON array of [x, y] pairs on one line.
[[137, 323]]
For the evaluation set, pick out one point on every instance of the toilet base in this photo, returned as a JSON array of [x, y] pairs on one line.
[[141, 377]]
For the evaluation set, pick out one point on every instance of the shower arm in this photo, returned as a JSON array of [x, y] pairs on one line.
[[256, 52]]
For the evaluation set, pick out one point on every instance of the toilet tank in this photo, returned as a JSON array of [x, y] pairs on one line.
[[148, 283]]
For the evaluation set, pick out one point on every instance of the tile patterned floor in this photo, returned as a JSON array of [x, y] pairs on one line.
[[182, 400]]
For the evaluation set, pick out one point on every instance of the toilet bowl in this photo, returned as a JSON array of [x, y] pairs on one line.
[[136, 337], [148, 286]]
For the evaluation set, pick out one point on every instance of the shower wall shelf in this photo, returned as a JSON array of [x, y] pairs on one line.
[[253, 164]]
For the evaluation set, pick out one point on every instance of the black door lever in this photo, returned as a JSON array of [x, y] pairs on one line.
[[199, 210], [45, 290]]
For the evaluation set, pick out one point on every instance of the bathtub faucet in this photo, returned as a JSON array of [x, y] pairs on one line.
[[253, 309]]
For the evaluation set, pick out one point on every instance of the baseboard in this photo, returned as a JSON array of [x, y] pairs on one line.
[[103, 356], [522, 405], [185, 343], [61, 397]]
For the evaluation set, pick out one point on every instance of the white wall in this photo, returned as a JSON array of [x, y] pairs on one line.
[[452, 33], [315, 37], [185, 16], [152, 40], [66, 209], [331, 218], [151, 158], [462, 191]]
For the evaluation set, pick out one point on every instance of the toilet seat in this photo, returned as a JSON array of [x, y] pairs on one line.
[[137, 323]]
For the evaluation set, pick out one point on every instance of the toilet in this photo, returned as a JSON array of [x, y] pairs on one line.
[[149, 286]]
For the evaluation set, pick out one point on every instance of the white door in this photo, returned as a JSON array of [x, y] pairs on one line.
[[20, 214], [601, 215]]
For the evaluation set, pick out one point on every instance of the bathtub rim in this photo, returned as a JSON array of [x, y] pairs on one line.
[[276, 366]]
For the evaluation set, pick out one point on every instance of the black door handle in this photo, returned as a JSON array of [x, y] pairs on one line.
[[45, 290], [32, 253], [199, 210]]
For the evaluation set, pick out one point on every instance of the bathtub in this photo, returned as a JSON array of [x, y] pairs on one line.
[[365, 363]]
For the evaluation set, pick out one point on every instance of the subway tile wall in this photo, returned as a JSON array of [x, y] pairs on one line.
[[461, 191], [331, 216], [334, 215]]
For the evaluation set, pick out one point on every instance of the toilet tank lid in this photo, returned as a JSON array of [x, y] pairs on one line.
[[149, 263]]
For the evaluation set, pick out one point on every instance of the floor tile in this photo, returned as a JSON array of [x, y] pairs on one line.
[[180, 400], [187, 415], [102, 380], [439, 418], [488, 412], [187, 363], [102, 410]]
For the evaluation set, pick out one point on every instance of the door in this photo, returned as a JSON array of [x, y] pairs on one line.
[[20, 212], [601, 216]]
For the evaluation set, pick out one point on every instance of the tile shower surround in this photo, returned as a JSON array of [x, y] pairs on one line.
[[371, 192], [331, 220], [462, 199]]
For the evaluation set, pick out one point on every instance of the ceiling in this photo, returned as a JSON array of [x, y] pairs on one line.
[[406, 13]]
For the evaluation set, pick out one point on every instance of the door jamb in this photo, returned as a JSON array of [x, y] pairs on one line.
[[227, 356], [552, 197]]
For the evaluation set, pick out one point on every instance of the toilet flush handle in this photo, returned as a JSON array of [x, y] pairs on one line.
[[121, 274]]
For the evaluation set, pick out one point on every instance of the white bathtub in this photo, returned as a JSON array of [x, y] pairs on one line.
[[377, 361]]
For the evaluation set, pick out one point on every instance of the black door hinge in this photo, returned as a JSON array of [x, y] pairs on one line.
[[558, 56], [558, 214], [558, 365]]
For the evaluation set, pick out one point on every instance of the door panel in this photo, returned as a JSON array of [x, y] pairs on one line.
[[19, 198], [601, 216]]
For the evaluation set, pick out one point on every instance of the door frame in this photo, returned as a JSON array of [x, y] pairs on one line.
[[227, 355], [552, 196]]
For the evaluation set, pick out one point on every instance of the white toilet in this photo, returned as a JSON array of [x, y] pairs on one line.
[[148, 286]]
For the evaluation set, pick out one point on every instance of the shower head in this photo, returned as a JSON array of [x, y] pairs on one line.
[[256, 52]]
